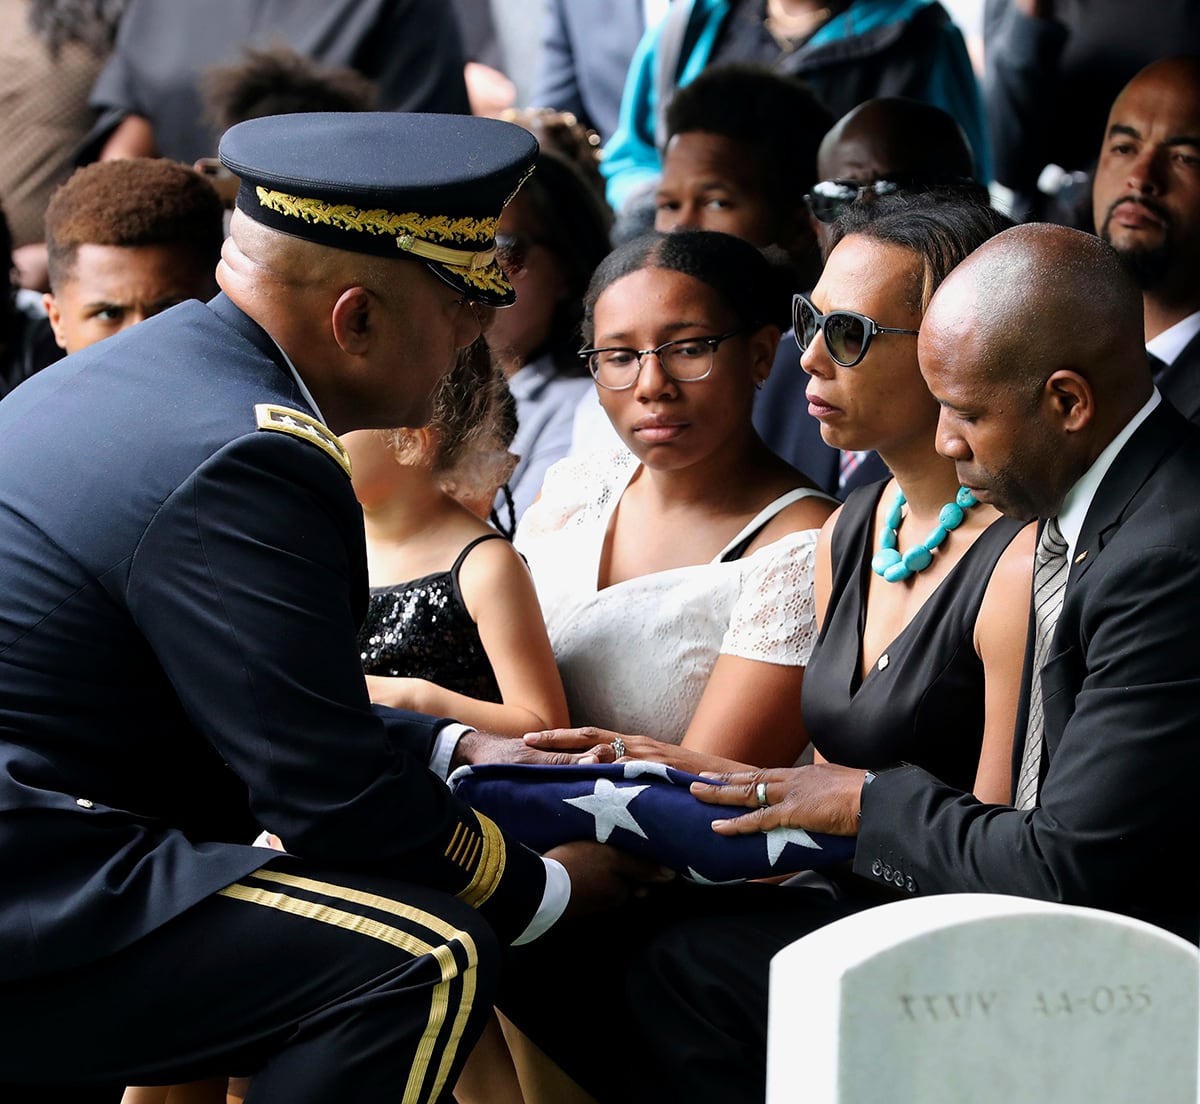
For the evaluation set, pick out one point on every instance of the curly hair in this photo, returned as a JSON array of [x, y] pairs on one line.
[[561, 133], [279, 81], [141, 201], [469, 409], [91, 22]]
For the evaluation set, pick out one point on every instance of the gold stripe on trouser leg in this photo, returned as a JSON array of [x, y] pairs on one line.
[[434, 923], [364, 925]]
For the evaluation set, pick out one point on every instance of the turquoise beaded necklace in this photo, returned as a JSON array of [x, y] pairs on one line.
[[888, 561]]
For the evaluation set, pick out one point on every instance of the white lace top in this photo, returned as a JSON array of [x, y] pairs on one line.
[[636, 656]]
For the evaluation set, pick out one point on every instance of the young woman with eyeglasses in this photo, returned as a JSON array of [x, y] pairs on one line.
[[675, 574]]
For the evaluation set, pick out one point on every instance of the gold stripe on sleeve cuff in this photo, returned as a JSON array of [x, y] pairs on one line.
[[491, 865]]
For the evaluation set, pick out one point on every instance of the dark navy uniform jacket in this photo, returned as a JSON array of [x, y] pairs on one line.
[[179, 599]]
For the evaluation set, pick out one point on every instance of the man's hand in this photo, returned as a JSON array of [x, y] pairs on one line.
[[821, 797], [487, 747], [603, 877]]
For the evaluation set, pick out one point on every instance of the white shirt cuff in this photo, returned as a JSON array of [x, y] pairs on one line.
[[444, 744], [554, 901]]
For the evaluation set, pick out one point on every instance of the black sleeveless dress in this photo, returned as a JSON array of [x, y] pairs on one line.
[[922, 701], [421, 629]]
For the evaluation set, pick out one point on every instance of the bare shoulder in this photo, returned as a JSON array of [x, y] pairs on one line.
[[491, 558], [1004, 614], [1012, 577], [828, 527], [494, 572]]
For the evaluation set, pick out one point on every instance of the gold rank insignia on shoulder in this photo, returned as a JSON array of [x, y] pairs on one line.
[[283, 419]]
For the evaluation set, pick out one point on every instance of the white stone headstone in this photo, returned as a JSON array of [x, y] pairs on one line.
[[984, 999]]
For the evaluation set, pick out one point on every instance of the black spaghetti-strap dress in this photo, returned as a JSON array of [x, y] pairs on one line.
[[421, 629], [922, 701]]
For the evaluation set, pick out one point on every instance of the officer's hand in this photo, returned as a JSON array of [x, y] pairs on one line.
[[486, 747], [603, 877]]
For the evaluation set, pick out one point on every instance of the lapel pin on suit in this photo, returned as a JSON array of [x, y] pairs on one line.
[[1081, 557]]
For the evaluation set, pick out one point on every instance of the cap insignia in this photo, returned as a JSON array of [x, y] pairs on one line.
[[284, 419], [410, 230]]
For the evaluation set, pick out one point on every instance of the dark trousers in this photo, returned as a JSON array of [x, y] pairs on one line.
[[664, 999], [321, 986]]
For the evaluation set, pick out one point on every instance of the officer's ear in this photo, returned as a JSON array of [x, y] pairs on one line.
[[351, 319]]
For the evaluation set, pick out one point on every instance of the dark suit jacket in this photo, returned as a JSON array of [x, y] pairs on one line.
[[178, 663], [782, 419], [586, 48], [1115, 827], [1179, 381]]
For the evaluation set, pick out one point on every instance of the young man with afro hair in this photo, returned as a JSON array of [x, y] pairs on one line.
[[125, 241]]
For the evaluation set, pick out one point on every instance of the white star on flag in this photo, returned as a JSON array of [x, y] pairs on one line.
[[609, 805], [779, 838]]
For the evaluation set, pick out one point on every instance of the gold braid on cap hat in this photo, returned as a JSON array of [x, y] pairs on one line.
[[410, 230]]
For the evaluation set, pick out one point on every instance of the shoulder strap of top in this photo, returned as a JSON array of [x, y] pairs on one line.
[[736, 548], [464, 553]]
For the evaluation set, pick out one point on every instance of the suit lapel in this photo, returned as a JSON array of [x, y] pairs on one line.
[[1156, 437]]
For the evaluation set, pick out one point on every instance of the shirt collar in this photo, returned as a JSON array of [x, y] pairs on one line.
[[1073, 512], [1173, 340]]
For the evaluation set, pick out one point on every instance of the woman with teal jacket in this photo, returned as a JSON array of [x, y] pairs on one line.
[[848, 52]]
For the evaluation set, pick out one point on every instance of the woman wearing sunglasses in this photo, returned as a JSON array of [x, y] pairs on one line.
[[922, 592], [675, 574]]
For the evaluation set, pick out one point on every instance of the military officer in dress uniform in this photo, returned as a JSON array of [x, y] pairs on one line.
[[184, 573]]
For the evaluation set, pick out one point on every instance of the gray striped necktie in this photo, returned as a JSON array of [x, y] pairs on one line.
[[1049, 585]]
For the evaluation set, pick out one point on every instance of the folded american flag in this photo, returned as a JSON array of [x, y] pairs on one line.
[[643, 808]]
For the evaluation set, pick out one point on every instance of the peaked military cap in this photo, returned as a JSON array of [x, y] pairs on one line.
[[426, 186]]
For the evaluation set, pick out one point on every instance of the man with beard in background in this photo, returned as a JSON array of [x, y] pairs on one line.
[[1146, 204]]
